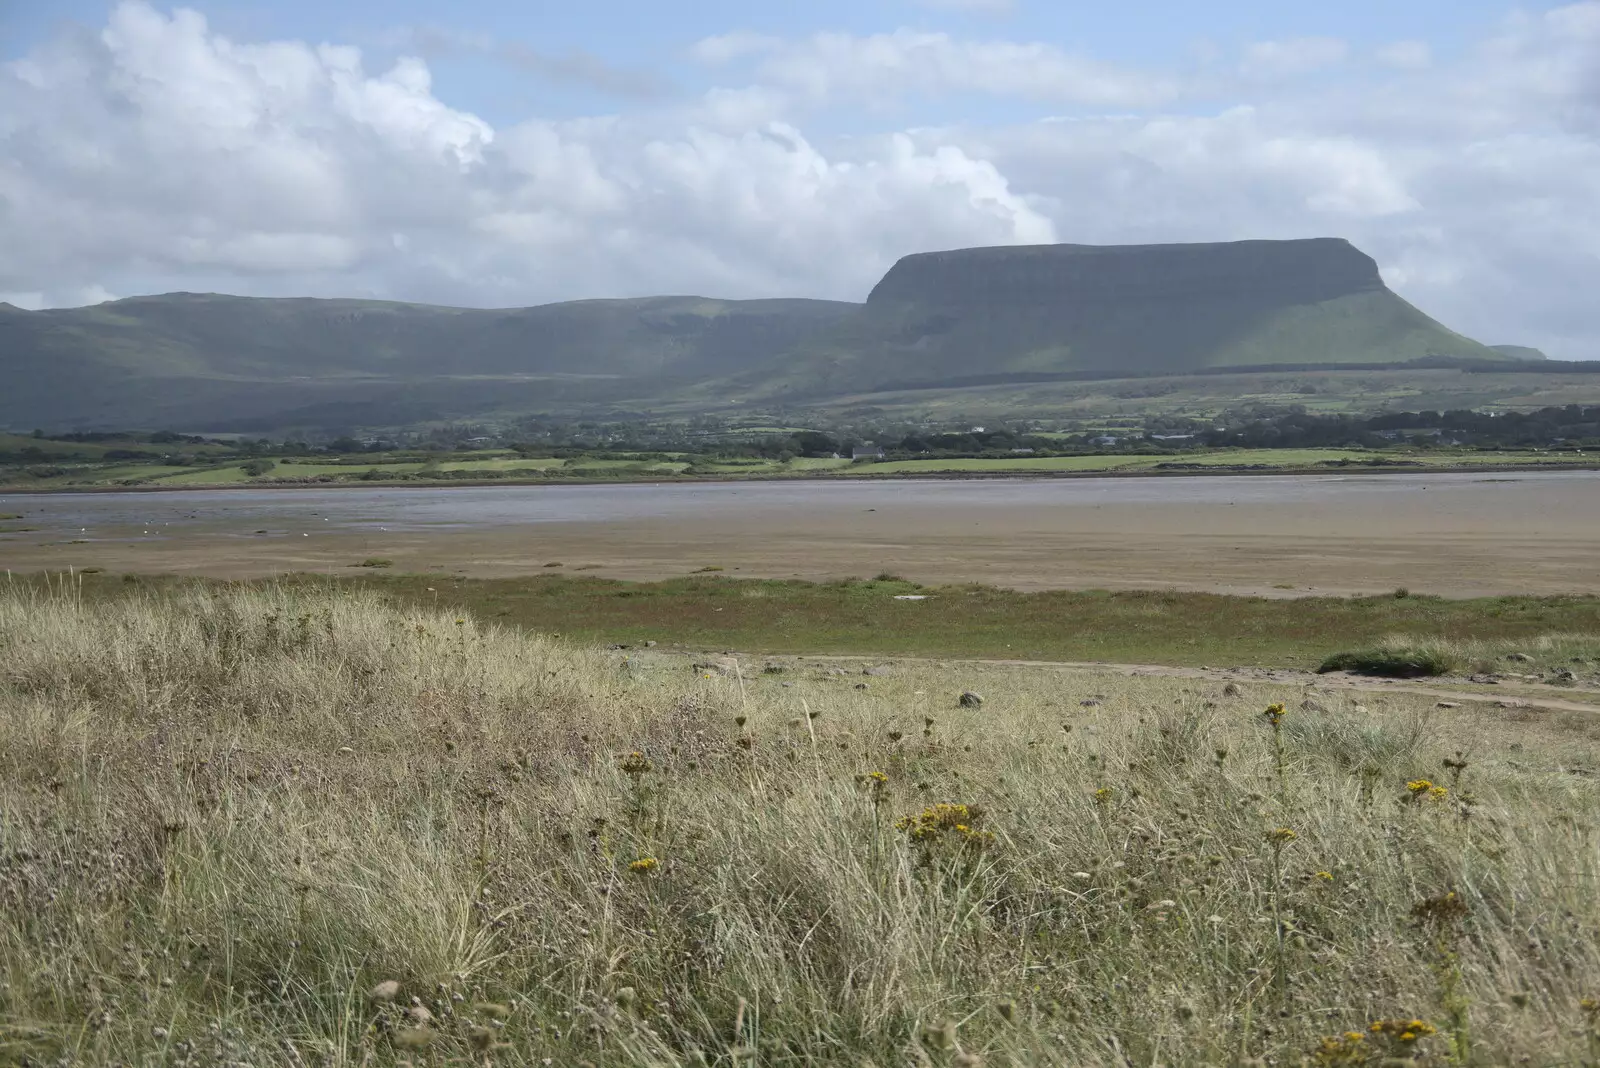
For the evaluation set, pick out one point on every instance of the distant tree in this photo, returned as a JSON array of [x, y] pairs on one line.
[[815, 443], [258, 467]]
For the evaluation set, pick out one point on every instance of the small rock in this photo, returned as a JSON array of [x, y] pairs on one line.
[[384, 991], [861, 686], [1521, 658], [971, 700], [1448, 704], [1231, 690], [1089, 703], [875, 671], [650, 644]]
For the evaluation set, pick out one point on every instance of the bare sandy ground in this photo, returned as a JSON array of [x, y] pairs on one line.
[[1467, 538]]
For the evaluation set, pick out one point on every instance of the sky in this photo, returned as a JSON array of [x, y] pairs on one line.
[[492, 154]]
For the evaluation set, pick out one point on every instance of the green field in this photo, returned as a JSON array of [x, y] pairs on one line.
[[291, 469], [863, 616]]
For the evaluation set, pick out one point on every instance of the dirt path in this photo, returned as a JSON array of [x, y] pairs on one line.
[[1521, 695]]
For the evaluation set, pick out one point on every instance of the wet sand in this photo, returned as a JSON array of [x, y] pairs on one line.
[[1454, 535]]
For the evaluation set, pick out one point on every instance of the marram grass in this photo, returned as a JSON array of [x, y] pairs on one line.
[[297, 828]]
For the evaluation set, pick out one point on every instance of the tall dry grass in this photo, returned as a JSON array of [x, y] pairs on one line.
[[305, 829]]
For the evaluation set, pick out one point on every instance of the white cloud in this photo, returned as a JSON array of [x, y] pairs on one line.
[[1405, 55], [1290, 58], [159, 155], [846, 67], [162, 155]]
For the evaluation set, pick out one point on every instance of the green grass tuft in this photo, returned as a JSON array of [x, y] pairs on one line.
[[1400, 662]]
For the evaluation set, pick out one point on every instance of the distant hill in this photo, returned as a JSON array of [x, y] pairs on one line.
[[939, 319], [207, 361], [1147, 308]]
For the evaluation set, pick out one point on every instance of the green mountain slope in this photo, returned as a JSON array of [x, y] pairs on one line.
[[210, 361], [1147, 308], [939, 319]]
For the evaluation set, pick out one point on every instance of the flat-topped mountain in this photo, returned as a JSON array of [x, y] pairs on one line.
[[213, 362], [939, 316]]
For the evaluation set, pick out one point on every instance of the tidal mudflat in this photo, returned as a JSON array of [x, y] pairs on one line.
[[1448, 534]]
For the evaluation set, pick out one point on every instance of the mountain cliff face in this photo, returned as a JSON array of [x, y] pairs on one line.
[[212, 362], [1262, 272]]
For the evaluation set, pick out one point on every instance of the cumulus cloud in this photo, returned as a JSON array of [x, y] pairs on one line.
[[156, 154], [159, 154]]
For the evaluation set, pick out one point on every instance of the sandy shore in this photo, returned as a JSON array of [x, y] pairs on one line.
[[1455, 538]]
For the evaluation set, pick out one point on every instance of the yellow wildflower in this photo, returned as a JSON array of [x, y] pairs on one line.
[[644, 865]]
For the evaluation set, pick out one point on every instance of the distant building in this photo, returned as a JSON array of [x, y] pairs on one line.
[[1171, 437], [1023, 452], [867, 452], [1106, 440]]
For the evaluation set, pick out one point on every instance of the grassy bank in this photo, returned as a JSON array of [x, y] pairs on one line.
[[865, 617], [498, 469], [292, 827]]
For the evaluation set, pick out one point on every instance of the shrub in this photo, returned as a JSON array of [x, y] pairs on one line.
[[1394, 661], [258, 467]]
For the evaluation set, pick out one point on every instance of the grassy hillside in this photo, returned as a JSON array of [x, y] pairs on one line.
[[281, 827], [210, 362]]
